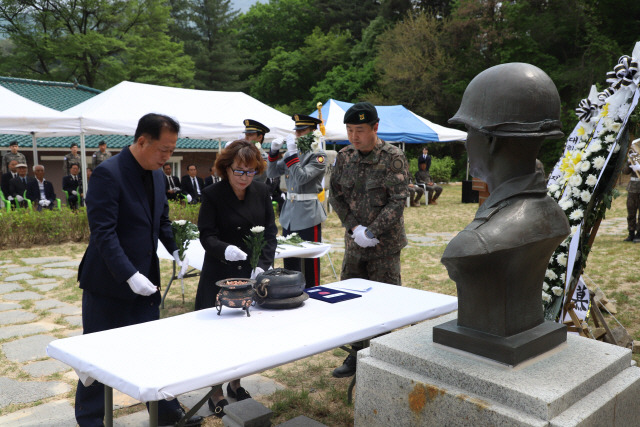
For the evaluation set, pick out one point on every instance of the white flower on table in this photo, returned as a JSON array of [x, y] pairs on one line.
[[257, 229], [180, 221]]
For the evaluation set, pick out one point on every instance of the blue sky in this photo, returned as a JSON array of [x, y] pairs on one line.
[[244, 5]]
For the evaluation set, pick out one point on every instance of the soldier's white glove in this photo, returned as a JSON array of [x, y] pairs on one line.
[[140, 285], [361, 238], [233, 253], [189, 198], [635, 168], [19, 198], [183, 264], [74, 192], [256, 271], [276, 145], [292, 148], [10, 198]]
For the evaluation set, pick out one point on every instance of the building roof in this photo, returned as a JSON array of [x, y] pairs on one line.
[[62, 96]]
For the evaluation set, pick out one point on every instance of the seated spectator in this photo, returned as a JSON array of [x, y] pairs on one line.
[[40, 191], [424, 179], [171, 184], [18, 185], [212, 178], [415, 193], [7, 177], [192, 185], [72, 184]]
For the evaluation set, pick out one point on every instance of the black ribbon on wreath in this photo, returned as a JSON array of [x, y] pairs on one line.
[[586, 109], [623, 73], [602, 96]]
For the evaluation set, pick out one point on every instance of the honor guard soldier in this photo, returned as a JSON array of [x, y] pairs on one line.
[[73, 158], [101, 155], [254, 131], [633, 201], [12, 155], [303, 168]]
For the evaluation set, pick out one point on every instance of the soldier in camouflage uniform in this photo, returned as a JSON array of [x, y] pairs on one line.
[[302, 212], [100, 156], [369, 186], [633, 202], [13, 155], [73, 158]]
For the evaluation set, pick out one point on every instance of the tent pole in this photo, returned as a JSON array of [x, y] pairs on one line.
[[35, 148], [467, 168], [83, 161]]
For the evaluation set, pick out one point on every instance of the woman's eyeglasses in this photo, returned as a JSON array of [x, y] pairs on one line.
[[240, 173]]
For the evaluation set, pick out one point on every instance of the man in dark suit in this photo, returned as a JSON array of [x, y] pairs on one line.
[[192, 184], [172, 184], [72, 184], [6, 177], [425, 158], [119, 273], [18, 185], [40, 191], [212, 178]]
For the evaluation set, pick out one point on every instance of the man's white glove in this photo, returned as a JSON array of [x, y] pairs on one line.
[[292, 148], [256, 271], [189, 198], [47, 202], [42, 202], [635, 167], [141, 285], [233, 253], [19, 198], [183, 264], [361, 239], [74, 192], [276, 145], [10, 198]]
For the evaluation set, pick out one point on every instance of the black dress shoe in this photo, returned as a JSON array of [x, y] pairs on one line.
[[217, 408], [175, 416], [347, 369], [239, 394]]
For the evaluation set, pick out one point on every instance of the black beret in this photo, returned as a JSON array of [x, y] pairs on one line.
[[362, 112], [252, 126], [73, 144], [13, 143], [303, 122], [102, 143]]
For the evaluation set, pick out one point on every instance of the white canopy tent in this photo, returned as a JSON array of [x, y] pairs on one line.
[[20, 116]]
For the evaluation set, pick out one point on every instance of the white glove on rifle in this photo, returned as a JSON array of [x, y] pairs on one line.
[[183, 264], [361, 238], [256, 271], [19, 198], [292, 148], [233, 253], [276, 145], [141, 285]]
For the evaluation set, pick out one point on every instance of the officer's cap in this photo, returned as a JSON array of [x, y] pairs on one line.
[[13, 143], [303, 122], [21, 165], [73, 144], [252, 126], [362, 112], [102, 143]]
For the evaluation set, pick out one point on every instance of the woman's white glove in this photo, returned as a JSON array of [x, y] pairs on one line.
[[256, 271], [141, 285], [292, 148], [361, 239], [276, 145], [183, 264], [233, 253]]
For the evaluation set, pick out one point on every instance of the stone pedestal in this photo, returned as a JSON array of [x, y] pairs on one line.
[[404, 379]]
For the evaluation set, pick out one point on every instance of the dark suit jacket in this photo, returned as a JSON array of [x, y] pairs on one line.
[[224, 220], [209, 181], [69, 184], [124, 231], [187, 187], [33, 191], [16, 187], [4, 183], [176, 183]]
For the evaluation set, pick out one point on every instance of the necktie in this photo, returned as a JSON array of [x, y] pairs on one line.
[[195, 185], [24, 181]]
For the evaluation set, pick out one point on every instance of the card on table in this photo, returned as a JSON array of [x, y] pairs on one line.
[[330, 295]]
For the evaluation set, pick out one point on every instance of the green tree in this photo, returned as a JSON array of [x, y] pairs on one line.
[[97, 42]]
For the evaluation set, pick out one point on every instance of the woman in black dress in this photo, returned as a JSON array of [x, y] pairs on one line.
[[230, 208]]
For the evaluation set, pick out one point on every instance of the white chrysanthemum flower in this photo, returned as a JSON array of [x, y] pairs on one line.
[[317, 133], [553, 188], [557, 290], [565, 242], [585, 154], [595, 146], [292, 235], [551, 275], [257, 229], [607, 123], [610, 138], [576, 215], [585, 166], [545, 286], [557, 194], [585, 196], [546, 297], [562, 276], [574, 230], [617, 148], [591, 180], [565, 204], [575, 192], [181, 221], [575, 180], [598, 162], [616, 127], [562, 259]]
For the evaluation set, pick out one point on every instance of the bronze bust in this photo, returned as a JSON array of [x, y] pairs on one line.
[[499, 260]]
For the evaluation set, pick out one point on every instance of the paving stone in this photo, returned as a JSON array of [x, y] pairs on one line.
[[9, 287], [59, 272], [16, 277], [41, 281], [26, 349], [22, 330], [16, 316], [73, 332], [7, 265], [16, 270], [46, 288], [5, 261], [57, 413], [44, 260], [67, 309], [63, 264], [74, 320], [21, 296], [13, 392], [45, 367], [49, 303], [4, 306]]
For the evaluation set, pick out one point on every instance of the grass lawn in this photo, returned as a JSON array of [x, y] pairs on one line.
[[310, 389]]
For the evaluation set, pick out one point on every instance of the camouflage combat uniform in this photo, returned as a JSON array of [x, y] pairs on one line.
[[633, 200], [99, 157], [70, 160], [9, 157], [371, 190]]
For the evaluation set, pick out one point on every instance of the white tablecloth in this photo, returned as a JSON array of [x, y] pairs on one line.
[[168, 357], [195, 252]]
